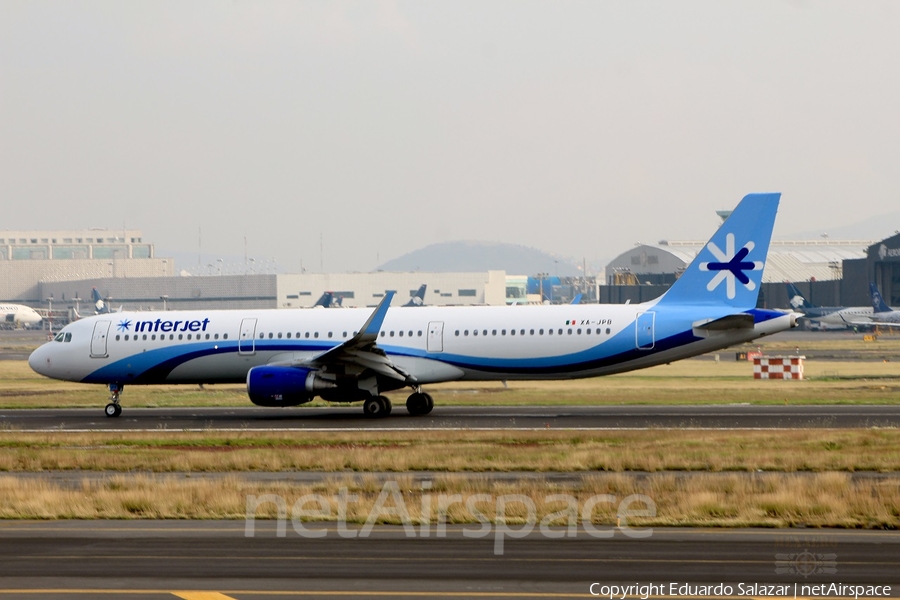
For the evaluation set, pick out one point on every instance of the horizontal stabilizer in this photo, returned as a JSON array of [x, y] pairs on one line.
[[737, 321]]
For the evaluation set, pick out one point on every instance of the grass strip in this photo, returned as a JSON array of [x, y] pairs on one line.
[[700, 381], [733, 500], [786, 451]]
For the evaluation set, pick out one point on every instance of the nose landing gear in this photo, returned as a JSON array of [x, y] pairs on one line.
[[113, 409]]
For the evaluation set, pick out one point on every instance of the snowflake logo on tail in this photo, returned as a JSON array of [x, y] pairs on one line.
[[731, 266]]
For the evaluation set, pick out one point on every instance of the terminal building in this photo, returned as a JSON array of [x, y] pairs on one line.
[[30, 258]]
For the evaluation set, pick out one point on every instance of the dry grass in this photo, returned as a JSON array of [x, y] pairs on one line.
[[615, 451], [770, 500]]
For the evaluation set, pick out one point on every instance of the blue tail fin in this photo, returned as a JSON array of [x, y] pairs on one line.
[[878, 303], [729, 269], [418, 299], [796, 298], [100, 306]]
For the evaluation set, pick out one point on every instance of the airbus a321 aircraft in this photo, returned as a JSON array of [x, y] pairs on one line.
[[287, 357]]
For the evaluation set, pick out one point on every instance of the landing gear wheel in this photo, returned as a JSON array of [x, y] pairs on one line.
[[419, 403], [113, 409], [377, 407]]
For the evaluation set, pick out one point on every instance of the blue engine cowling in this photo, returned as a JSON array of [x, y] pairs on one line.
[[283, 386]]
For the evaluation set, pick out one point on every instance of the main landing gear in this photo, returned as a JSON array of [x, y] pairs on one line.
[[113, 409], [419, 403], [377, 406]]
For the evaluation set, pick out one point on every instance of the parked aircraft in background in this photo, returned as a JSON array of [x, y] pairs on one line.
[[829, 315], [18, 315], [328, 300], [418, 299], [882, 315], [288, 357]]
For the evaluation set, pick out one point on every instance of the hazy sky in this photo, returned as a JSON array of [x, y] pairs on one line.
[[576, 127]]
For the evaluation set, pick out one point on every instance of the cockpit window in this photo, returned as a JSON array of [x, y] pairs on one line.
[[59, 337], [68, 337]]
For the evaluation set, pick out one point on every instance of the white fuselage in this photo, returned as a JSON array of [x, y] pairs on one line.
[[19, 314], [433, 344]]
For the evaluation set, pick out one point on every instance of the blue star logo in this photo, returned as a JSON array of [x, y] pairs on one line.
[[124, 325], [731, 266]]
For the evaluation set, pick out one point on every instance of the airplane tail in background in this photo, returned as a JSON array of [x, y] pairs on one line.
[[796, 298], [100, 307], [729, 269], [878, 303], [418, 299]]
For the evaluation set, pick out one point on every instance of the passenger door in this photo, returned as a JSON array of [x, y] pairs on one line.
[[99, 339]]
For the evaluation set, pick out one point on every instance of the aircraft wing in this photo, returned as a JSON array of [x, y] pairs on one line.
[[361, 350]]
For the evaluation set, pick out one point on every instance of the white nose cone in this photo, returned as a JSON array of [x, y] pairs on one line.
[[39, 361]]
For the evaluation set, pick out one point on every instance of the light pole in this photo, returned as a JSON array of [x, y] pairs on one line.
[[542, 276], [50, 314], [165, 299]]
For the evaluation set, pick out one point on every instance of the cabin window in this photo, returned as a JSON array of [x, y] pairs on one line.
[[466, 332], [540, 332], [410, 333], [579, 331], [531, 332], [345, 334], [261, 336], [383, 333], [117, 338], [570, 331], [392, 334], [180, 336], [207, 335], [126, 337], [502, 332], [316, 334], [457, 333], [329, 334], [560, 331], [216, 336], [279, 335], [550, 332], [271, 335], [420, 333], [401, 333], [608, 330], [145, 337], [474, 332], [153, 337], [512, 332], [493, 332], [306, 335]]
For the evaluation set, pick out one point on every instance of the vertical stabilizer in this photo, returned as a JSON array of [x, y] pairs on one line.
[[729, 268], [878, 303]]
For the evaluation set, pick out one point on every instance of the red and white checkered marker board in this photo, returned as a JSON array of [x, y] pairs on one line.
[[778, 367]]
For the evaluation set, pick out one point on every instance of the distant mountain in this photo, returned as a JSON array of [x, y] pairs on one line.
[[471, 257], [874, 228]]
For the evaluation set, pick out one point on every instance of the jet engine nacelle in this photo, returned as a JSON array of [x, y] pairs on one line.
[[284, 386]]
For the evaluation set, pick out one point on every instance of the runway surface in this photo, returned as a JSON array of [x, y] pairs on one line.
[[453, 418], [154, 559]]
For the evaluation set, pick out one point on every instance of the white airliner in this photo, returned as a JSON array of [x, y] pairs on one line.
[[287, 357], [18, 314]]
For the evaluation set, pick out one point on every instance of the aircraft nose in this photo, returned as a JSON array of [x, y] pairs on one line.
[[40, 361]]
